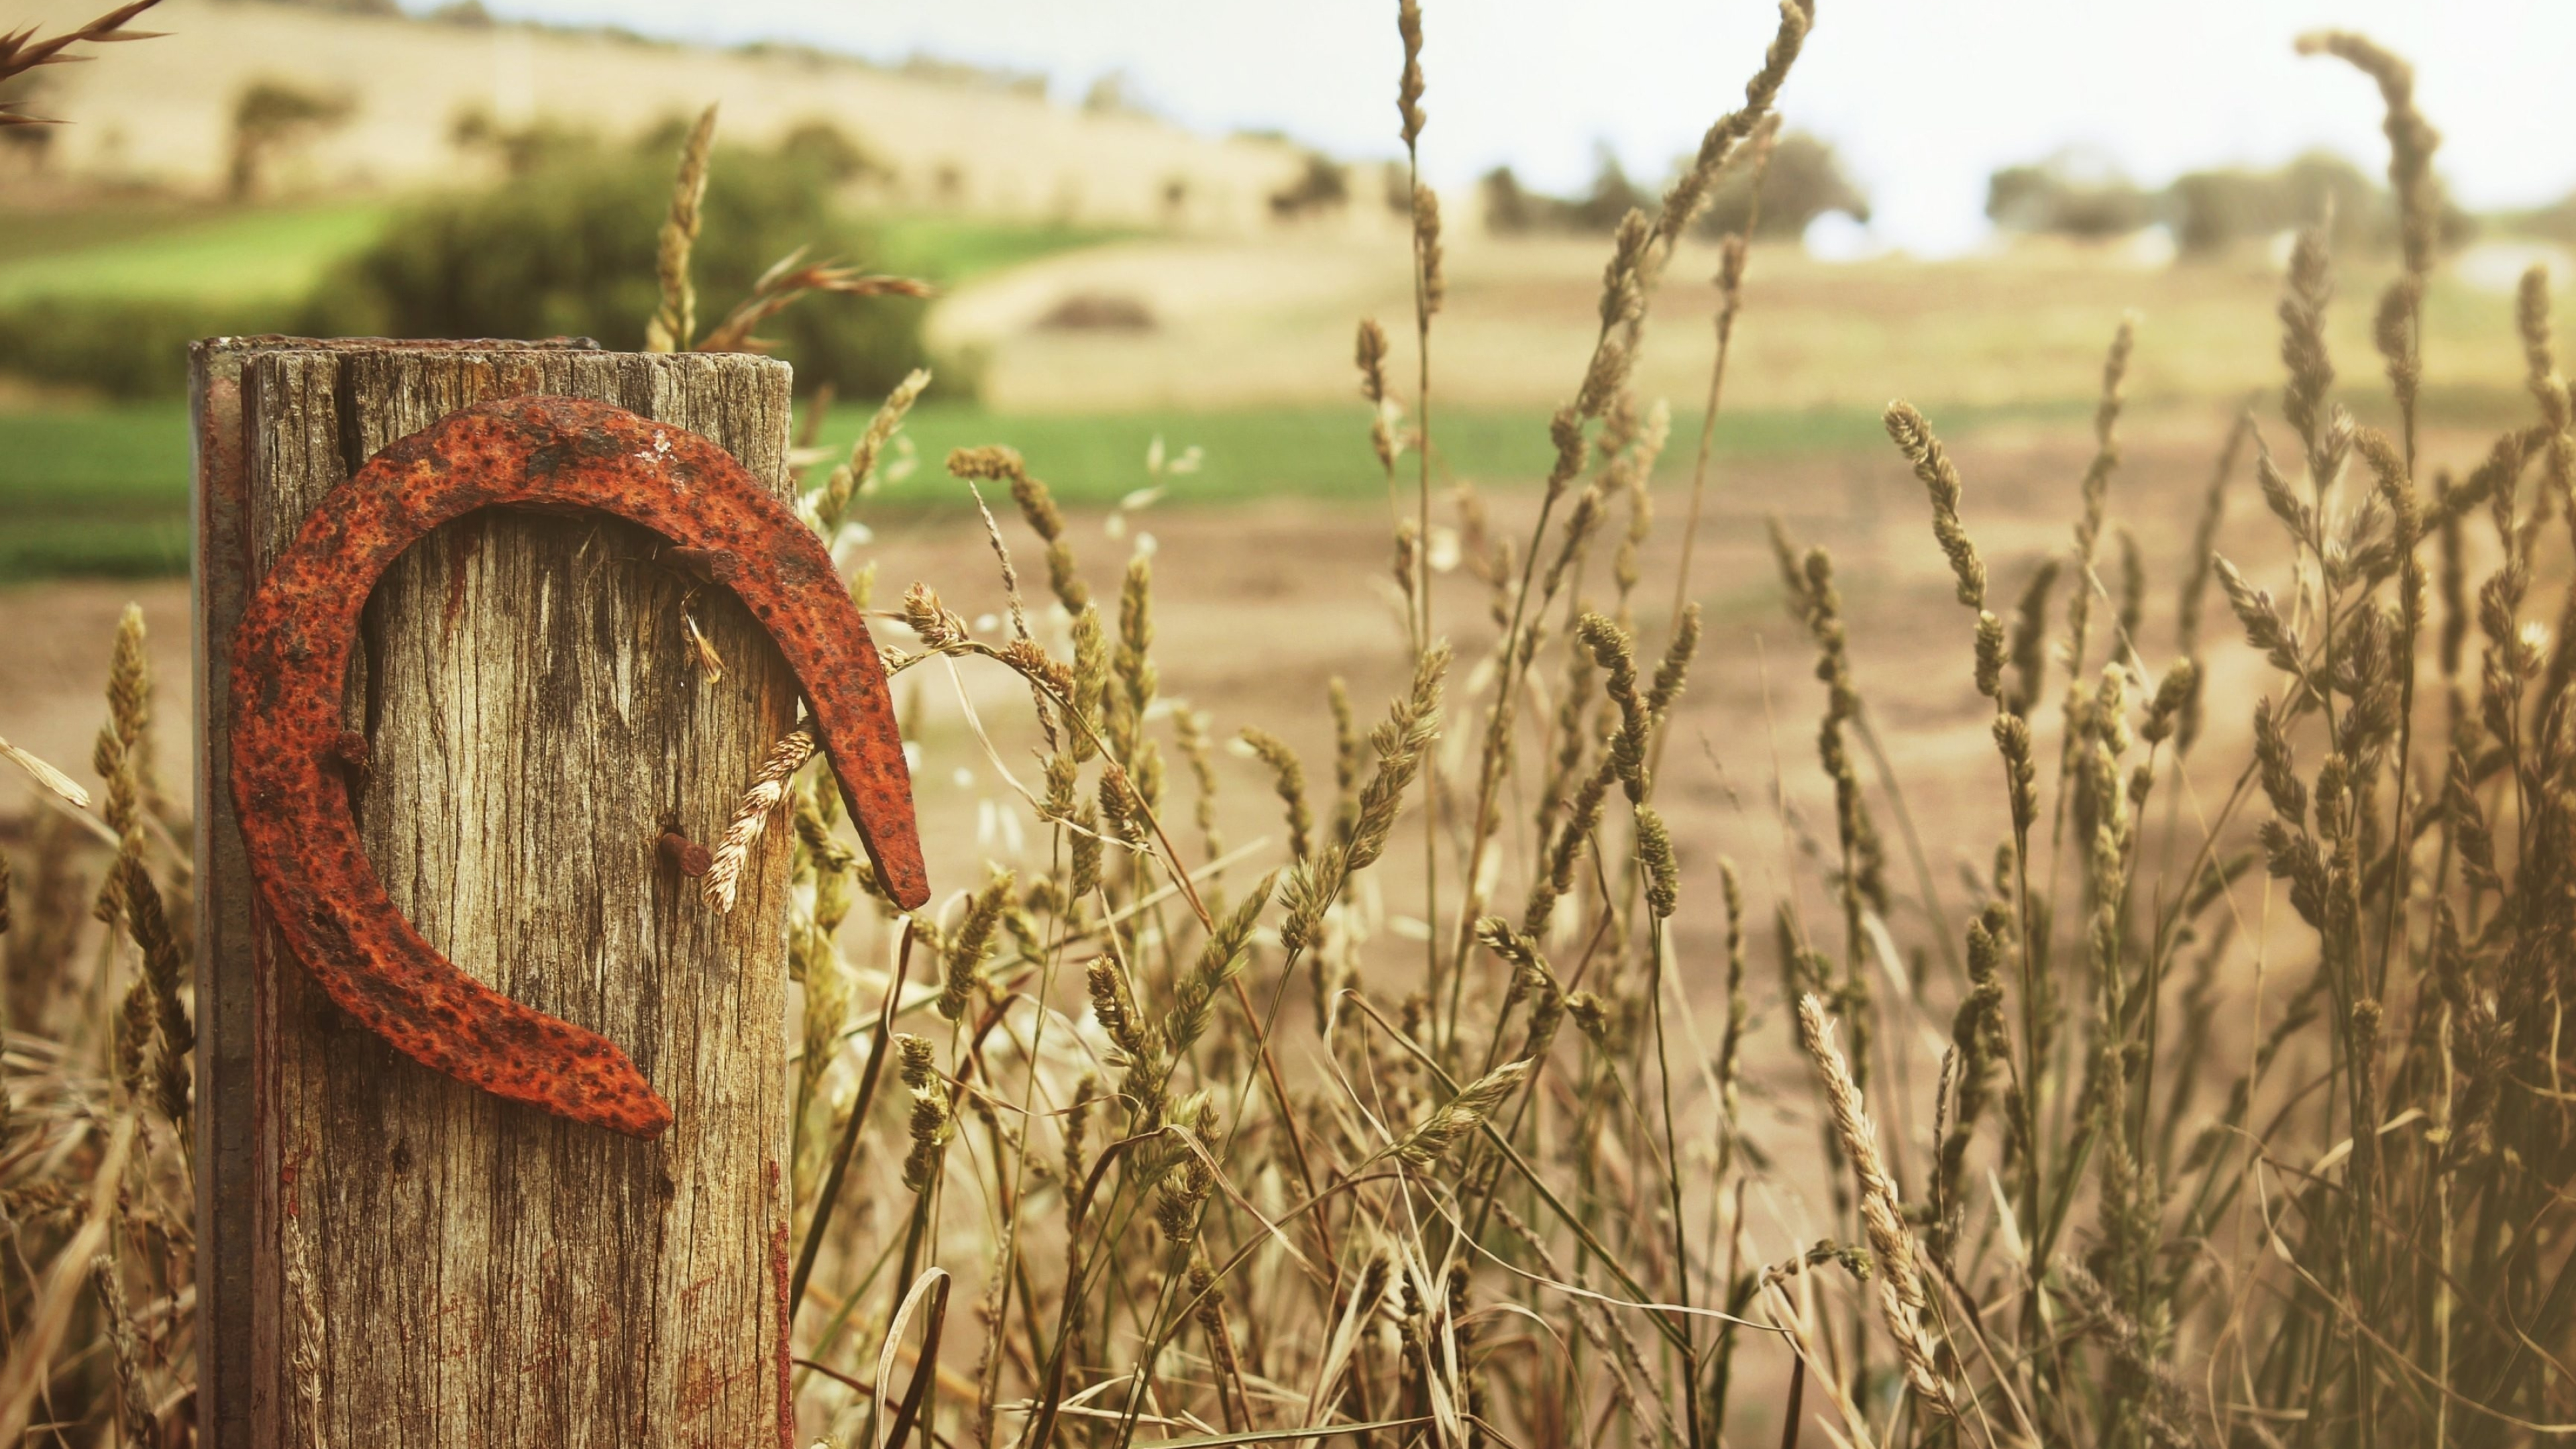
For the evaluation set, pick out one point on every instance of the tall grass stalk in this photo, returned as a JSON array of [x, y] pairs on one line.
[[2247, 1106]]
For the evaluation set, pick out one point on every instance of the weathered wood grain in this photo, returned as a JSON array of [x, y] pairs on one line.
[[423, 1264]]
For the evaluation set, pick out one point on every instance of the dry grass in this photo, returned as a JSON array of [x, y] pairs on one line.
[[2228, 1106], [23, 50]]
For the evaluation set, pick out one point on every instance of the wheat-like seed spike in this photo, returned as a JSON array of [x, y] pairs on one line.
[[1914, 438], [129, 692], [2265, 629], [1612, 652], [1426, 237], [1901, 1300], [306, 1355], [1663, 873], [1290, 773], [937, 625], [2097, 486], [1459, 1116], [1674, 671], [1689, 192], [2531, 321], [1408, 96], [2411, 139], [1370, 353], [1411, 724], [2204, 534], [2303, 337], [1220, 960], [855, 476], [675, 321], [768, 790], [968, 949], [163, 962], [931, 1123]]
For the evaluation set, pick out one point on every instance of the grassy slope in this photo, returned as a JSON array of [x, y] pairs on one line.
[[162, 251]]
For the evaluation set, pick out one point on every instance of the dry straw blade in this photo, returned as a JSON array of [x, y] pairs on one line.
[[55, 781]]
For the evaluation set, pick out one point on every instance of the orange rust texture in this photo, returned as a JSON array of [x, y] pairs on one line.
[[291, 658]]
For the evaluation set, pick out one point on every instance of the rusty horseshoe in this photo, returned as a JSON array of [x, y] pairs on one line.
[[290, 662]]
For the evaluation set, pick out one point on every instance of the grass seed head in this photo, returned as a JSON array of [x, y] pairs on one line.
[[2411, 139], [1663, 873], [1290, 775], [1426, 241], [1460, 1115], [1408, 95], [675, 321], [972, 946], [1901, 1300], [1914, 438]]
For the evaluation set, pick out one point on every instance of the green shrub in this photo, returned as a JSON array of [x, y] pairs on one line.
[[123, 348], [567, 249], [2067, 196]]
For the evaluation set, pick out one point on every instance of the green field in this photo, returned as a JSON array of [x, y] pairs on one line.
[[105, 491]]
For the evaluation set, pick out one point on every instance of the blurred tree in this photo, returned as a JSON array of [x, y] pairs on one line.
[[1612, 195], [2068, 194], [273, 116], [2212, 211], [2556, 221], [1395, 184], [1805, 181], [519, 149], [1322, 184], [1509, 208], [1114, 93], [567, 249], [834, 153], [2209, 211]]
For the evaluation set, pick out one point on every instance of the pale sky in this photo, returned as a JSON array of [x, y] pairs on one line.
[[1922, 97]]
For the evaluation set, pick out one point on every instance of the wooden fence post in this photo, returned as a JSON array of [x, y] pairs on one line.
[[388, 1257]]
